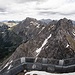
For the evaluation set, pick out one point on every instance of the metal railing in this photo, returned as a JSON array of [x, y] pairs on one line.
[[42, 64]]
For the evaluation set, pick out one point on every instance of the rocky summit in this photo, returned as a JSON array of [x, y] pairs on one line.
[[56, 40]]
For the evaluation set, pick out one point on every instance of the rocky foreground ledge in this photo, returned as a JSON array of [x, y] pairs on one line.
[[44, 73]]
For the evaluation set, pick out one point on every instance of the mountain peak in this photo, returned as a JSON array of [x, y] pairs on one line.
[[65, 24], [65, 21], [30, 19]]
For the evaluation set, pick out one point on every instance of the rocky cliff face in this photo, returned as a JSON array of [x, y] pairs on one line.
[[55, 40]]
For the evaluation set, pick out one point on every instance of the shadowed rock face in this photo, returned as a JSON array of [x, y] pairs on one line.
[[56, 40]]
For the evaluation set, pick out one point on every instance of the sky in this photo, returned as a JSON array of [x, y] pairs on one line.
[[39, 9]]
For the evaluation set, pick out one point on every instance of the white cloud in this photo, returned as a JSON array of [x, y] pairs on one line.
[[20, 9]]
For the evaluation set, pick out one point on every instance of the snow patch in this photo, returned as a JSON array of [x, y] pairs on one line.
[[31, 22], [9, 67], [41, 30], [11, 61], [39, 49], [2, 32], [73, 32], [45, 41], [46, 73], [8, 64], [38, 26], [67, 46], [47, 47], [34, 23]]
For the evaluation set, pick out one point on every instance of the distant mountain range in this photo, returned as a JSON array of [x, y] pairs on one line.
[[46, 20]]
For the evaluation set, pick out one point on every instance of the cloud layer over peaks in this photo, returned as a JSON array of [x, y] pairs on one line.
[[20, 9]]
